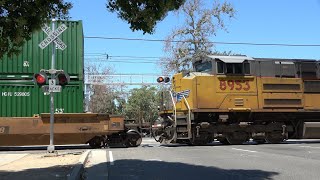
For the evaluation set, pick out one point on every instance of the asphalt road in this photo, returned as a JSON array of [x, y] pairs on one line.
[[292, 160]]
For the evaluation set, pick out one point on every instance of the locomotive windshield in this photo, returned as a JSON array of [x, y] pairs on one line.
[[203, 66]]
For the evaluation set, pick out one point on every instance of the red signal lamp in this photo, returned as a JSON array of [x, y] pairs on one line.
[[63, 78], [160, 79], [40, 78]]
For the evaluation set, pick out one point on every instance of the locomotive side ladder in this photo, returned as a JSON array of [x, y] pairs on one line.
[[183, 123]]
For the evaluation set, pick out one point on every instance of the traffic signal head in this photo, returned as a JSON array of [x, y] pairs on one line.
[[63, 78], [40, 78], [163, 79]]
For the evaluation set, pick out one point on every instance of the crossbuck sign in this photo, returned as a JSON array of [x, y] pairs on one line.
[[53, 36]]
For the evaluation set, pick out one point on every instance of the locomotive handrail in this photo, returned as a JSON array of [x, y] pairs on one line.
[[175, 110], [189, 116]]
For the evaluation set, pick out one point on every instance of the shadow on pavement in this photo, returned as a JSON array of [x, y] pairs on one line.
[[50, 173], [160, 170]]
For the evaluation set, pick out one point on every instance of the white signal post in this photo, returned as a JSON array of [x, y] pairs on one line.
[[56, 43]]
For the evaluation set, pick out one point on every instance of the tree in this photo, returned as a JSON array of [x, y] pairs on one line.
[[143, 14], [19, 18], [103, 98], [142, 104], [191, 40]]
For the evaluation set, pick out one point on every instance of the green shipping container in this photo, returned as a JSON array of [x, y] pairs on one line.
[[21, 98], [32, 58]]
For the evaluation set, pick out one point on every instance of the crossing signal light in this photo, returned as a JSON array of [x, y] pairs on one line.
[[163, 79], [40, 78], [160, 79], [166, 79], [63, 78]]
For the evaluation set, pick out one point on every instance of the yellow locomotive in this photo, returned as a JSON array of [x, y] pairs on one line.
[[237, 98]]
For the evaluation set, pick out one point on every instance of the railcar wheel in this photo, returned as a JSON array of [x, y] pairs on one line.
[[134, 139], [237, 137], [169, 135], [274, 137], [95, 142]]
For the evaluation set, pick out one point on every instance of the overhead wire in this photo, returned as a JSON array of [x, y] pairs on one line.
[[215, 42], [110, 56], [121, 59]]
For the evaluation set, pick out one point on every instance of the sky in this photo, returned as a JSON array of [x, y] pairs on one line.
[[264, 21]]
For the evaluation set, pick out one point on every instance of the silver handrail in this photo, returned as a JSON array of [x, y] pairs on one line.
[[189, 116], [175, 110]]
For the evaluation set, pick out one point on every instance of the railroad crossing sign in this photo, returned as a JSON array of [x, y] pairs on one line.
[[53, 36], [53, 87], [56, 88]]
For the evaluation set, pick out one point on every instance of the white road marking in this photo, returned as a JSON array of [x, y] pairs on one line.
[[304, 146], [111, 158], [154, 160], [244, 150], [309, 147]]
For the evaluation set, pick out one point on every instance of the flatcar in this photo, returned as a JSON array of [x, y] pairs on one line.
[[98, 130], [233, 99]]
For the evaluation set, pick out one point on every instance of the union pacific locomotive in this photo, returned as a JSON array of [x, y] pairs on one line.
[[237, 98]]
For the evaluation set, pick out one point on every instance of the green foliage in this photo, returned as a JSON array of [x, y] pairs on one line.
[[19, 18], [142, 104], [143, 14]]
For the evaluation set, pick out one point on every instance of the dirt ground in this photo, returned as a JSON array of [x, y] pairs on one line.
[[41, 166]]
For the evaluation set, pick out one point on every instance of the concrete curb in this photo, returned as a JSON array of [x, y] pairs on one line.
[[79, 167]]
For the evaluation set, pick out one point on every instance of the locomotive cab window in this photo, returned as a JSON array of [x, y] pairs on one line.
[[203, 66], [233, 68], [220, 67], [246, 67]]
